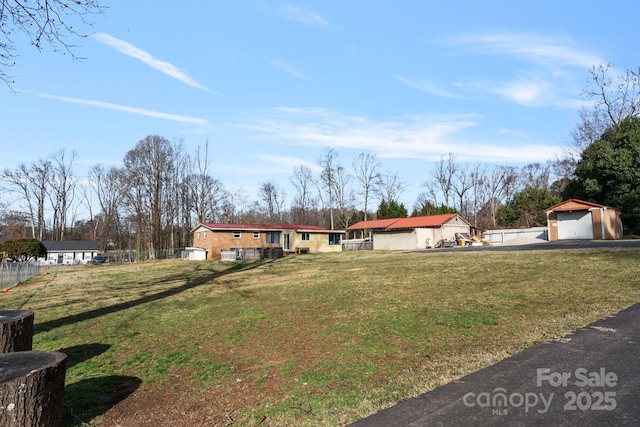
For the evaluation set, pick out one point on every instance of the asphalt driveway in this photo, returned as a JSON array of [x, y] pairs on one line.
[[546, 245], [590, 377]]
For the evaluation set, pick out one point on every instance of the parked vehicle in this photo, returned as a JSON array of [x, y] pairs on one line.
[[98, 259]]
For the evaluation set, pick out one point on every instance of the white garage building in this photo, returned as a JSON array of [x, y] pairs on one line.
[[413, 233]]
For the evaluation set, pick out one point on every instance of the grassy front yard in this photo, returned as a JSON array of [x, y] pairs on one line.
[[307, 339]]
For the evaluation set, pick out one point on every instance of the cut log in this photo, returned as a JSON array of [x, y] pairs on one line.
[[32, 388], [16, 330]]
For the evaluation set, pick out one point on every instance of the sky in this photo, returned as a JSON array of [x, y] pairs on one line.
[[271, 84]]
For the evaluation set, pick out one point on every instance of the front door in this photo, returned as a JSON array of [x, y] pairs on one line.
[[286, 245]]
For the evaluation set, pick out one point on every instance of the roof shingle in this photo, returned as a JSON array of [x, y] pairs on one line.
[[70, 245]]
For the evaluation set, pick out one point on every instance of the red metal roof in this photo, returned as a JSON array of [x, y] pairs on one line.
[[372, 225], [422, 221], [399, 223], [224, 226]]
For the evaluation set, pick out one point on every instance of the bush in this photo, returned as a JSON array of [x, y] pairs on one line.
[[23, 249]]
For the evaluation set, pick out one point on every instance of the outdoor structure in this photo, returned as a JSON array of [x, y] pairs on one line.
[[194, 254], [509, 235], [252, 241], [577, 219], [69, 252], [419, 232]]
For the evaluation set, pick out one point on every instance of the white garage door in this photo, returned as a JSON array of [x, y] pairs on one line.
[[575, 225]]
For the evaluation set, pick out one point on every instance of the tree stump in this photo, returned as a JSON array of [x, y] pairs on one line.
[[16, 330], [32, 388]]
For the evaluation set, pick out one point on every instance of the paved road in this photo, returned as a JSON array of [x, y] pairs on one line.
[[591, 377]]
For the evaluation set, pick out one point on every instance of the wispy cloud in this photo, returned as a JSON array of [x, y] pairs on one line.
[[296, 13], [530, 47], [551, 79], [288, 68], [429, 87], [127, 109], [148, 59], [420, 137], [525, 91], [531, 90]]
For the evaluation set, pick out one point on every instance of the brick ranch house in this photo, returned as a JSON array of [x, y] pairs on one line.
[[273, 238]]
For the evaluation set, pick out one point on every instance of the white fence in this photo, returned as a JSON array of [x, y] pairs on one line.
[[13, 273], [499, 237]]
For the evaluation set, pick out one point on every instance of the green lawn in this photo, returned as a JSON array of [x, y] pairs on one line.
[[307, 339]]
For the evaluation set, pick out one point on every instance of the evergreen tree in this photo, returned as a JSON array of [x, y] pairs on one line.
[[391, 210]]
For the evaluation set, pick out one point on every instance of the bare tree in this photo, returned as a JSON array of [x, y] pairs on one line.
[[344, 197], [302, 181], [234, 205], [31, 184], [206, 192], [87, 200], [497, 185], [478, 177], [591, 125], [366, 168], [511, 182], [563, 171], [535, 175], [462, 182], [619, 99], [62, 187], [444, 173], [107, 185], [390, 186], [43, 22], [614, 96], [148, 169], [432, 191], [272, 200], [173, 224], [328, 162]]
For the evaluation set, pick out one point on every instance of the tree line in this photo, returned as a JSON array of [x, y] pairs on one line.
[[161, 191]]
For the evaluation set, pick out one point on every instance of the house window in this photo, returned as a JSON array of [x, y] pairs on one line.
[[305, 237], [205, 235], [198, 235], [273, 237], [256, 234], [237, 234], [334, 239]]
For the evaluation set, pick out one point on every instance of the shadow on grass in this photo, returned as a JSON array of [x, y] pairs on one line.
[[92, 397], [98, 312], [79, 353]]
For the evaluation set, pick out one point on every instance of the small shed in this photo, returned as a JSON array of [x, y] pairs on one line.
[[578, 219], [194, 254]]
